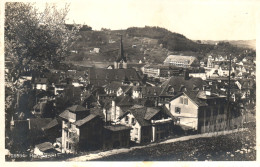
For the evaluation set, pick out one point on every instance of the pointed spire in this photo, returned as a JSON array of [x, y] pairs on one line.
[[121, 52]]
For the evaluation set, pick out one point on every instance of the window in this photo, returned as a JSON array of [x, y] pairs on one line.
[[126, 119], [136, 131], [67, 144], [185, 101], [133, 121], [177, 110], [181, 100]]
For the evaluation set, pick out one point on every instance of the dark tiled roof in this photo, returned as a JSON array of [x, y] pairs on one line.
[[76, 108], [36, 124], [110, 75], [126, 88], [85, 120], [65, 115], [97, 111], [177, 81], [53, 123], [124, 101], [139, 114], [150, 112], [44, 146], [117, 127], [113, 86]]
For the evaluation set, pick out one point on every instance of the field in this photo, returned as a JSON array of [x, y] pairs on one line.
[[240, 146]]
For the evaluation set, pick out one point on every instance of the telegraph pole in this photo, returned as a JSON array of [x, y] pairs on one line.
[[228, 95]]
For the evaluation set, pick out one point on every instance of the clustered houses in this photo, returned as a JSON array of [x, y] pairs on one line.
[[115, 107]]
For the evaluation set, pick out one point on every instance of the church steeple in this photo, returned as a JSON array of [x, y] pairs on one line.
[[121, 61], [121, 55]]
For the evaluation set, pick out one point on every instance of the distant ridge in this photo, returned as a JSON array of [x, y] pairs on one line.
[[251, 44]]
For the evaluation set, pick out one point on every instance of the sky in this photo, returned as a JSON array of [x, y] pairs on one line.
[[196, 19]]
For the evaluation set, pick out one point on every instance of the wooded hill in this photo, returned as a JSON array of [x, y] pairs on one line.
[[151, 44]]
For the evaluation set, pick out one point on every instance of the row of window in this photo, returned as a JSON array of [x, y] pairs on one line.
[[184, 100]]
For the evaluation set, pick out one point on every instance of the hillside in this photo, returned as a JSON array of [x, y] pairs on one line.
[[251, 44], [151, 44]]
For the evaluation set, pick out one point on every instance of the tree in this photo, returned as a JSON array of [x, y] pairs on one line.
[[38, 37], [33, 39]]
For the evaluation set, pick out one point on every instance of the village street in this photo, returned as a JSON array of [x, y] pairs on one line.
[[94, 156]]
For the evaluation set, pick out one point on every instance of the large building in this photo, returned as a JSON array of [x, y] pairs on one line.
[[181, 61], [162, 71], [101, 77]]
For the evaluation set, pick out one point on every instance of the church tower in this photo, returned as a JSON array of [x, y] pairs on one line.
[[121, 61]]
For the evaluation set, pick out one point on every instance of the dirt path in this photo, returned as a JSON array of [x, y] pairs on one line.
[[124, 150]]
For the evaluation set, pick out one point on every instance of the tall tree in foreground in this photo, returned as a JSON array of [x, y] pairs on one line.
[[33, 38], [38, 37]]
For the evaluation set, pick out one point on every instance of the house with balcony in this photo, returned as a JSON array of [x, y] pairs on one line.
[[81, 130], [149, 124]]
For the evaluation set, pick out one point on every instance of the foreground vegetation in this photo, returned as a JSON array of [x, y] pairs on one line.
[[240, 146]]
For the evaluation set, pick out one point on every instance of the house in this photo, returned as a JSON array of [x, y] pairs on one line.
[[148, 124], [198, 73], [58, 88], [178, 84], [112, 87], [81, 130], [114, 108], [151, 93], [44, 148], [41, 83], [115, 136], [201, 111], [181, 61], [124, 90]]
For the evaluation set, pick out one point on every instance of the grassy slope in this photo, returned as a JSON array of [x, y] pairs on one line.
[[221, 148]]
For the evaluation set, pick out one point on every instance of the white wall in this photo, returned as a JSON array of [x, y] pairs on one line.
[[189, 113]]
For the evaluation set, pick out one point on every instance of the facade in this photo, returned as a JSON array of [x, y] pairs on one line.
[[115, 136], [181, 61], [80, 130], [200, 111], [162, 71]]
